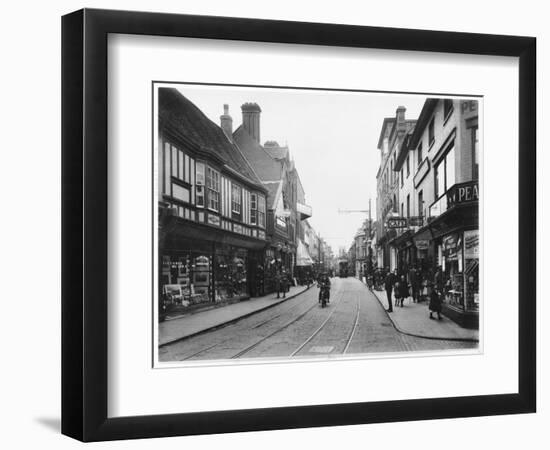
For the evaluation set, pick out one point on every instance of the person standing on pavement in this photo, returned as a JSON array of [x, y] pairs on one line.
[[388, 284], [435, 303], [284, 283]]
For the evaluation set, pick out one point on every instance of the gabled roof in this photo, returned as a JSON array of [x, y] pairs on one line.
[[275, 150], [264, 165], [422, 122], [183, 119], [274, 191], [403, 151]]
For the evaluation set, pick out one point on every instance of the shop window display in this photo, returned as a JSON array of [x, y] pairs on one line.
[[471, 269], [201, 276], [231, 274], [186, 279], [460, 258], [452, 268]]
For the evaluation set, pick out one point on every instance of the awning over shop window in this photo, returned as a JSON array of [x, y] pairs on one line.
[[302, 255]]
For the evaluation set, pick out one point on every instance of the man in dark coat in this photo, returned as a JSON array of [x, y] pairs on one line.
[[414, 282], [390, 280], [285, 285]]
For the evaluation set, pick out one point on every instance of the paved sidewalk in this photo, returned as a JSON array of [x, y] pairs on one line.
[[178, 328], [414, 319]]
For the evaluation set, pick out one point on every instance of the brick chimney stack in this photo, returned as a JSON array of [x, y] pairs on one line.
[[226, 122], [251, 120], [400, 118]]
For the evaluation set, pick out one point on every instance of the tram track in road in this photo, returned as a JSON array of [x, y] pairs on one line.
[[350, 338], [262, 323], [317, 331], [323, 327], [282, 328], [285, 311]]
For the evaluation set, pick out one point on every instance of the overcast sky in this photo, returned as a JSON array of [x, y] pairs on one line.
[[332, 137]]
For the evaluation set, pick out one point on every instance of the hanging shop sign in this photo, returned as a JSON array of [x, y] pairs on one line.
[[416, 221], [422, 244], [397, 222]]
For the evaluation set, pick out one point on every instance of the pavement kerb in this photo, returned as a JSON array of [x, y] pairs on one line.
[[433, 338], [236, 319]]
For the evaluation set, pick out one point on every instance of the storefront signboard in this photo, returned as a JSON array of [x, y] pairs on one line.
[[451, 244], [416, 221], [422, 171], [213, 220], [463, 193]]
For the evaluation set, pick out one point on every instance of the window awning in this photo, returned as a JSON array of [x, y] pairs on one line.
[[302, 255]]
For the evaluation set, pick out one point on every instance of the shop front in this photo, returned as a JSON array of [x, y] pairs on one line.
[[279, 261], [456, 244], [425, 256], [200, 266], [459, 257], [405, 252]]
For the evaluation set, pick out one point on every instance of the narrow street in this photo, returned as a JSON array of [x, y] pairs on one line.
[[353, 323]]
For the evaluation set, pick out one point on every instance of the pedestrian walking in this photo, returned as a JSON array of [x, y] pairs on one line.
[[290, 281], [389, 282], [438, 279], [435, 304], [278, 283], [414, 282], [402, 290]]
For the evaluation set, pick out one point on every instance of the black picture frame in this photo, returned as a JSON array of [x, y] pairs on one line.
[[84, 224]]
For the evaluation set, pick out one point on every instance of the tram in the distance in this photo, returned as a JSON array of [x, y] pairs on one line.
[[343, 268]]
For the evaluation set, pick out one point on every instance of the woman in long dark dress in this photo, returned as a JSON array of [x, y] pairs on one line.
[[435, 304], [403, 289]]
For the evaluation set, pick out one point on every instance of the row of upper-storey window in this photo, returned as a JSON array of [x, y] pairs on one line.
[[186, 181], [406, 169], [444, 172], [448, 109]]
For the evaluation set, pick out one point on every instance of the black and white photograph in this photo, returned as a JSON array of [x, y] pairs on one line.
[[275, 225], [296, 223]]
